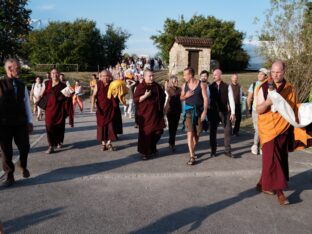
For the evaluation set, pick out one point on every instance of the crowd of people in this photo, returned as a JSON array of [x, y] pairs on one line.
[[204, 106]]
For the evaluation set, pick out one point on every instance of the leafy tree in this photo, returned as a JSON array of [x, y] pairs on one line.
[[79, 42], [227, 42], [288, 36], [114, 42], [14, 26]]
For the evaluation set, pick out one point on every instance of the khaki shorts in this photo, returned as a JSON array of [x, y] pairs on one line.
[[190, 127]]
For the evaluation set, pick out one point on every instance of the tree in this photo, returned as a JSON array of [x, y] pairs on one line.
[[287, 35], [79, 42], [14, 26], [227, 42], [114, 42]]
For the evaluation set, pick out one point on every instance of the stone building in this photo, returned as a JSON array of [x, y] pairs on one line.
[[190, 52]]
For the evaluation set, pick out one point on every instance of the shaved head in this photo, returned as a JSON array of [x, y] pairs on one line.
[[278, 71], [217, 75], [105, 76]]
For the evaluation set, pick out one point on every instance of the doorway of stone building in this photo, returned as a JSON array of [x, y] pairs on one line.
[[193, 58]]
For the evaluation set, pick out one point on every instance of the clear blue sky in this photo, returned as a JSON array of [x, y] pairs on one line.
[[143, 18]]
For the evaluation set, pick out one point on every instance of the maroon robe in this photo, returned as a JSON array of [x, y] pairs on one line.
[[55, 113], [105, 113], [117, 119], [150, 117], [275, 172], [275, 169]]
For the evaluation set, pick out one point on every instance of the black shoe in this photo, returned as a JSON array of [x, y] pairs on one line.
[[229, 154], [172, 147], [8, 181], [213, 154], [26, 173]]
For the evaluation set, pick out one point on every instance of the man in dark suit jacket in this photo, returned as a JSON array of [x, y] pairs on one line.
[[15, 121]]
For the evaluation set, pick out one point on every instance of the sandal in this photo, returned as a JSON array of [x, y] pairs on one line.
[[104, 148], [110, 147], [191, 161]]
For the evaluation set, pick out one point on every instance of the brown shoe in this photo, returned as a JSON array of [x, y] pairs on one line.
[[26, 173], [283, 200]]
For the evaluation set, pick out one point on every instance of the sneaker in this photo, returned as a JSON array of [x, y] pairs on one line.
[[254, 149]]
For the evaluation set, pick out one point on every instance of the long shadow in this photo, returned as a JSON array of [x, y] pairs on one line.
[[70, 173], [78, 129], [299, 183], [195, 216], [20, 223]]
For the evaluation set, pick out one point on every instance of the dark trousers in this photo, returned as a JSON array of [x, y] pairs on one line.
[[214, 119], [21, 138], [238, 116], [173, 122]]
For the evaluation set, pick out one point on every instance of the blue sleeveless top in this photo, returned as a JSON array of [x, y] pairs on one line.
[[197, 99]]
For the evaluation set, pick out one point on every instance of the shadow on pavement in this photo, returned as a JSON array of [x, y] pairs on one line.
[[21, 223], [70, 173], [195, 216]]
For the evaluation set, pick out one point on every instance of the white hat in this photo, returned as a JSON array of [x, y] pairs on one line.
[[264, 70]]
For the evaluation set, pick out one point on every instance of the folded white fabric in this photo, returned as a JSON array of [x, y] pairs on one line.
[[285, 110]]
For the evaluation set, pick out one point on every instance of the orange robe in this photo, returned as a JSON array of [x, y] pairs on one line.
[[277, 138]]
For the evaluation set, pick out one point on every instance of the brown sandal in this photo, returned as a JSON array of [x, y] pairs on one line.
[[110, 147], [191, 161], [104, 148]]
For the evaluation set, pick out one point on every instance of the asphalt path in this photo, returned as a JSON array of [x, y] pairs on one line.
[[81, 189]]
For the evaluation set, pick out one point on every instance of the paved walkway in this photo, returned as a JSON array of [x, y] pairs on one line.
[[81, 189]]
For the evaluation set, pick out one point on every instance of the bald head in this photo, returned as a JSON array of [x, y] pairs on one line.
[[217, 75], [234, 79], [148, 76], [278, 71], [105, 76]]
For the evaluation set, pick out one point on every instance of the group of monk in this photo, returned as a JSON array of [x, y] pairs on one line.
[[203, 104]]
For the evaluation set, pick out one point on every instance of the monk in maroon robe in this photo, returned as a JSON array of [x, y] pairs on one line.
[[55, 113], [149, 99], [105, 113]]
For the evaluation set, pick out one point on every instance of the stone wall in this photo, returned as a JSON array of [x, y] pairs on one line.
[[178, 58]]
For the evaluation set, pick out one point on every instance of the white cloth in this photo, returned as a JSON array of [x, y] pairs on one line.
[[285, 110], [231, 99], [37, 88]]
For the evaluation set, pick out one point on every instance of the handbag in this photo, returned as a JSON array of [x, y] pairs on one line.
[[43, 101]]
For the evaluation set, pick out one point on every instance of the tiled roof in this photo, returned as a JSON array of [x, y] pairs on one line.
[[194, 41]]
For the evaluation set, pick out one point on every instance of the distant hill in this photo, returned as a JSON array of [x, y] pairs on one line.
[[256, 61]]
